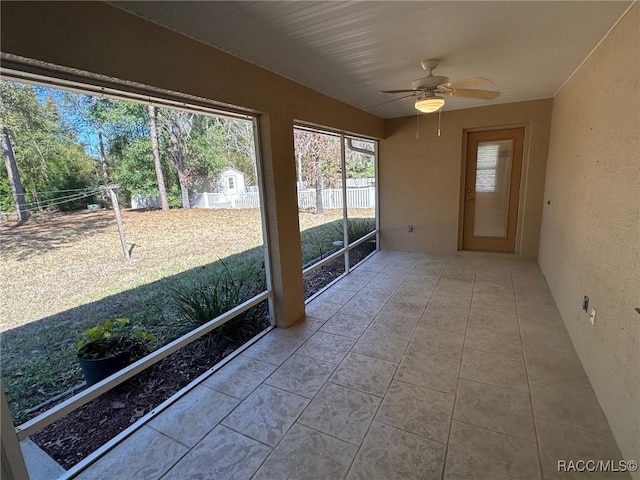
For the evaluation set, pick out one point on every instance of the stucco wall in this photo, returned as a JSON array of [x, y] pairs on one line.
[[420, 178], [590, 240]]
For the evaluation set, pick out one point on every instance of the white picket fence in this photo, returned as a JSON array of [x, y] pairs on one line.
[[226, 200], [331, 198]]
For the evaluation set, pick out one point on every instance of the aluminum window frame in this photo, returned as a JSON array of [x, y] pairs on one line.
[[346, 249], [40, 74]]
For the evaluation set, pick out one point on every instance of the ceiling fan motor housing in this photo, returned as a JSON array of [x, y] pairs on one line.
[[430, 82]]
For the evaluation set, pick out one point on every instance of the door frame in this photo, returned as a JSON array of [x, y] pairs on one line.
[[526, 145]]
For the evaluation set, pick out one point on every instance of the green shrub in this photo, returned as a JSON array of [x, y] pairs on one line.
[[112, 337], [357, 227], [206, 298], [318, 243]]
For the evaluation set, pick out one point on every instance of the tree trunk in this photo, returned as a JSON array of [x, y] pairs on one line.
[[14, 176], [43, 163], [104, 196], [184, 190], [182, 178], [319, 185], [299, 170], [103, 159], [179, 128], [156, 159]]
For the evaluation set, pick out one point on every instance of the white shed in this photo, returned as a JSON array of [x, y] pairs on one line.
[[230, 180]]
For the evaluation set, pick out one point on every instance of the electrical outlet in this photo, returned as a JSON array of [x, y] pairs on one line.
[[585, 303], [592, 317], [409, 228]]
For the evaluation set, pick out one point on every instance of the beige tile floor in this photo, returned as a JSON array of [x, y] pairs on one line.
[[413, 366]]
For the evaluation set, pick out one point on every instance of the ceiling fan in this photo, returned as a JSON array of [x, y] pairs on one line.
[[432, 89]]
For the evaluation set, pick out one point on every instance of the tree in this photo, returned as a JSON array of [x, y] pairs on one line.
[[319, 156], [156, 159], [238, 146], [144, 148], [47, 154], [14, 177], [88, 114], [178, 125], [128, 141], [358, 164]]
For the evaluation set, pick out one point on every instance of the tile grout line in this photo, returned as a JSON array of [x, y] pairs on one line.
[[179, 458], [219, 424], [407, 383], [473, 380], [314, 396], [480, 427], [455, 395], [526, 370], [329, 378], [394, 373], [263, 383]]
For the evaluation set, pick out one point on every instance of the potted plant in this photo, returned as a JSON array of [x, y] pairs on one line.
[[109, 346]]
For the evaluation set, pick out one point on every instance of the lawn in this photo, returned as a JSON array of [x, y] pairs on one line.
[[65, 273]]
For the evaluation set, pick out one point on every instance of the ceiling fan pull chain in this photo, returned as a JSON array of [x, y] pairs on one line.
[[417, 125], [439, 116]]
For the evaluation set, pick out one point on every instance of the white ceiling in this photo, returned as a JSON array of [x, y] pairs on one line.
[[351, 50]]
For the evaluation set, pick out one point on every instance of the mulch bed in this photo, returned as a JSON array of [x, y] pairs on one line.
[[323, 276], [78, 434]]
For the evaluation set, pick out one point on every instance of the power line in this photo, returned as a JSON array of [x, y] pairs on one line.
[[61, 200], [80, 192], [34, 206], [56, 191], [68, 190]]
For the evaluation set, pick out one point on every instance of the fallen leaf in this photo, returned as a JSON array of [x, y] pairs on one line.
[[137, 413]]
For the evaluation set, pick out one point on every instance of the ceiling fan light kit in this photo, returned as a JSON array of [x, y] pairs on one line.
[[432, 89], [429, 104]]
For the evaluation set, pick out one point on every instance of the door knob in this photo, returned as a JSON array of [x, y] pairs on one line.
[[468, 197]]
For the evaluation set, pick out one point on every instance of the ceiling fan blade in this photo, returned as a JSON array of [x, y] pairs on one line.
[[392, 100], [401, 91], [468, 82], [480, 94]]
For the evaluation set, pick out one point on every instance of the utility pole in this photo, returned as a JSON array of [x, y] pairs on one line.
[[116, 209]]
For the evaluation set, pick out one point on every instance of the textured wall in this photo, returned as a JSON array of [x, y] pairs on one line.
[[420, 179], [590, 240]]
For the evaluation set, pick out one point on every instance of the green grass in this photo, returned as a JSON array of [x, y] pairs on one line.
[[317, 241], [64, 274]]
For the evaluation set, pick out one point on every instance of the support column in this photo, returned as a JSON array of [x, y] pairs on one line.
[[281, 199], [12, 462]]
